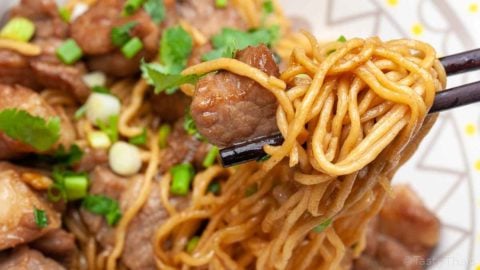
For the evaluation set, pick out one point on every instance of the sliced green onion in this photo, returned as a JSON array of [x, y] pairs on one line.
[[140, 139], [251, 190], [65, 14], [321, 227], [132, 47], [214, 187], [192, 244], [56, 192], [268, 7], [41, 218], [110, 127], [69, 52], [131, 6], [182, 176], [76, 186], [210, 157], [121, 34], [221, 3], [163, 134], [101, 89], [342, 39], [18, 28], [80, 112], [98, 139]]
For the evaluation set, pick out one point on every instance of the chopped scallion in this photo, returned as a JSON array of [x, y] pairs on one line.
[[192, 244], [41, 218], [321, 227], [105, 206], [110, 128], [221, 3], [18, 28], [69, 52], [101, 89], [65, 14], [182, 176], [132, 47], [99, 139], [268, 7], [76, 186], [121, 35], [163, 134], [210, 157]]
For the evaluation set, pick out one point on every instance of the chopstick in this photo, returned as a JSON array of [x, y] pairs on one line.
[[448, 99]]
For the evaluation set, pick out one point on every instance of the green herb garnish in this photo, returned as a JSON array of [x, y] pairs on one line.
[[32, 130], [110, 127], [321, 227], [140, 139], [105, 206], [41, 219], [156, 10]]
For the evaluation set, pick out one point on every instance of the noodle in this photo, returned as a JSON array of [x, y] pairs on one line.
[[350, 118], [24, 48]]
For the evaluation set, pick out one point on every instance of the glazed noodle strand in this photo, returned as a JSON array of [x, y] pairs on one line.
[[351, 113]]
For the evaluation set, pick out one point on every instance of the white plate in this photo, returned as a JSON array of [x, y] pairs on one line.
[[446, 169]]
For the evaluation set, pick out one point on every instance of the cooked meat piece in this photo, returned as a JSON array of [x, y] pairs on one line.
[[15, 69], [170, 108], [27, 259], [61, 77], [229, 108], [92, 31], [25, 99], [406, 219], [92, 158], [18, 200], [207, 18], [43, 71], [138, 254], [103, 182], [397, 240], [56, 243], [44, 13], [183, 148]]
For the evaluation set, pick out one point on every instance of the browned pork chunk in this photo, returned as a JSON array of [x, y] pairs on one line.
[[138, 251], [45, 16], [228, 108], [92, 31], [19, 201], [204, 15], [402, 236], [27, 259], [25, 99]]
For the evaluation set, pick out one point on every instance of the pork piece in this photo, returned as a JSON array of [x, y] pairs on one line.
[[170, 108], [45, 16], [25, 258], [138, 251], [183, 148], [92, 31], [92, 158], [206, 17], [228, 108], [56, 244], [43, 71], [402, 236], [18, 200], [25, 99]]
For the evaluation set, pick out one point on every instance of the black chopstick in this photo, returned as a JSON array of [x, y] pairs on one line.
[[458, 96]]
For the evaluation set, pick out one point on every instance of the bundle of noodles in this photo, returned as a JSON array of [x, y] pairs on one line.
[[351, 113]]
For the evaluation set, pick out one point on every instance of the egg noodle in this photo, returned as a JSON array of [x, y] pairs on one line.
[[351, 113]]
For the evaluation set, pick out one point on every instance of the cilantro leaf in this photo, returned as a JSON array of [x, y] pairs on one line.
[[230, 40], [156, 10], [175, 48], [268, 7], [62, 157], [158, 76], [190, 127], [121, 34], [105, 206], [32, 130]]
